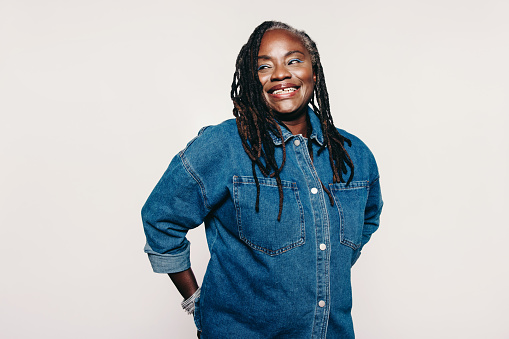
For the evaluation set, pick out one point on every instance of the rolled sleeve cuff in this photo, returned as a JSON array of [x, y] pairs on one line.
[[169, 263]]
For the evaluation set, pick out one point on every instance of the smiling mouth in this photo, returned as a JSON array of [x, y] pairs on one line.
[[284, 91]]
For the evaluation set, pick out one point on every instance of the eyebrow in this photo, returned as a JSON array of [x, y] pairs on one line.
[[266, 57]]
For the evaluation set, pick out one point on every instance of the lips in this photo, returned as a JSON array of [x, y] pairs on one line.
[[284, 88], [284, 91]]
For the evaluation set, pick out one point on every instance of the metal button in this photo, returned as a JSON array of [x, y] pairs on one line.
[[296, 142], [323, 247], [321, 303], [314, 190]]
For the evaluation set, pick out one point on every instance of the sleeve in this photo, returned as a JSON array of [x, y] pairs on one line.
[[372, 213], [176, 205]]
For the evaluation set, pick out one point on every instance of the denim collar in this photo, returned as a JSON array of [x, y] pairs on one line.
[[315, 134]]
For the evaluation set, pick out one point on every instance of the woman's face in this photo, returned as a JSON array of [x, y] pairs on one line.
[[285, 71]]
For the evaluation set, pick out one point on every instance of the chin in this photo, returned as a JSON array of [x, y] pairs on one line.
[[286, 110]]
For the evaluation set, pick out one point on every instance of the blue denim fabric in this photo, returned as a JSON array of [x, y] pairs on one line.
[[265, 279]]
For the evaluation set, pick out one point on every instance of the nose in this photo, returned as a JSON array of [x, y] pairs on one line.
[[280, 73]]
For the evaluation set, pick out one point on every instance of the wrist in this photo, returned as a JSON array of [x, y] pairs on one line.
[[188, 304]]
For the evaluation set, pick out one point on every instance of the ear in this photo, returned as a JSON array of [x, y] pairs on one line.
[[314, 77]]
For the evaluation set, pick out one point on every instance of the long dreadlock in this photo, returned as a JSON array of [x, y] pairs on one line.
[[256, 120]]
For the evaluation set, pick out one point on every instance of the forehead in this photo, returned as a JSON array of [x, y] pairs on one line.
[[280, 39]]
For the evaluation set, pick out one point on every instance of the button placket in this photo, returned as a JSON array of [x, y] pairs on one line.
[[318, 204]]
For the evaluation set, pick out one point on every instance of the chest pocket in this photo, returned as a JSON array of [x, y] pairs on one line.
[[261, 230], [351, 203]]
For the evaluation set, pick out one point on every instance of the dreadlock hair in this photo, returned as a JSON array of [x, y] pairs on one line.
[[256, 120]]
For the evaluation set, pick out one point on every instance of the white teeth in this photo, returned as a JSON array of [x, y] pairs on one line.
[[286, 90]]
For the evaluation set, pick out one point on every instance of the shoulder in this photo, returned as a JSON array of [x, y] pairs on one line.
[[214, 137], [362, 157], [226, 127], [214, 149], [357, 144]]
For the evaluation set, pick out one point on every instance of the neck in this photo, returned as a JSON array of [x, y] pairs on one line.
[[296, 124]]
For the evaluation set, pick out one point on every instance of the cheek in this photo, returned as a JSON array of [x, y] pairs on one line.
[[263, 78], [311, 77], [310, 81], [308, 77]]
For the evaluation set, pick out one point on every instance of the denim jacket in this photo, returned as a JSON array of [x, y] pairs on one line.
[[266, 278]]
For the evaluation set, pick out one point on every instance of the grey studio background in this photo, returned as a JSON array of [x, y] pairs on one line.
[[97, 96]]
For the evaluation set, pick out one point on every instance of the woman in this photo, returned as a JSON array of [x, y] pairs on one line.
[[287, 199]]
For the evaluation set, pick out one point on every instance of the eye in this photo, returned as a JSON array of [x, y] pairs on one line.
[[262, 67], [294, 61]]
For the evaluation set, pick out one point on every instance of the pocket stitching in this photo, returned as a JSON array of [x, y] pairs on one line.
[[342, 187], [237, 180]]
